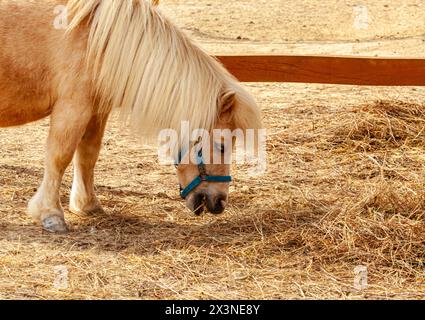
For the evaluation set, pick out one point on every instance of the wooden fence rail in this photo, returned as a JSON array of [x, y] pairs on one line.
[[328, 70]]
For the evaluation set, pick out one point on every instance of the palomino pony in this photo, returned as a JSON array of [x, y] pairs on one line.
[[120, 53]]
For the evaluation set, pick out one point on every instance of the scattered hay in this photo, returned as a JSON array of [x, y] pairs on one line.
[[383, 125], [345, 191]]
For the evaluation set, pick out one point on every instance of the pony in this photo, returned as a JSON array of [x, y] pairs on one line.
[[121, 54]]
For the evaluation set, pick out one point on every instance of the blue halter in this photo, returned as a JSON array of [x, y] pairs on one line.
[[203, 176]]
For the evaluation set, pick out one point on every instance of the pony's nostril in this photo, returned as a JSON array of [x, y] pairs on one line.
[[199, 203], [219, 204]]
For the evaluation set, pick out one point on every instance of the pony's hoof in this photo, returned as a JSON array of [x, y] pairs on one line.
[[88, 210], [98, 210], [55, 224]]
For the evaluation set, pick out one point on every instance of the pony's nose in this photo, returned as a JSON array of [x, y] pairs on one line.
[[217, 204]]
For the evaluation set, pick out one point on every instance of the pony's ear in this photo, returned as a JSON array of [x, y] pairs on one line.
[[227, 102]]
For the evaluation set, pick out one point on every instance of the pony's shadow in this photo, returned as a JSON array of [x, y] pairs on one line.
[[116, 232]]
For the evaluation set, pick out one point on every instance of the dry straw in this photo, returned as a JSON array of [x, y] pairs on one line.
[[344, 189]]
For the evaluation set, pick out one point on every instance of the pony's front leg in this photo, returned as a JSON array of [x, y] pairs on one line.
[[68, 124], [83, 198]]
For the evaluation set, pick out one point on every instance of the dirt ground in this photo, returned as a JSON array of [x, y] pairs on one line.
[[344, 185]]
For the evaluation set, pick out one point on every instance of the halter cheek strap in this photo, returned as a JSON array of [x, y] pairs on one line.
[[203, 176]]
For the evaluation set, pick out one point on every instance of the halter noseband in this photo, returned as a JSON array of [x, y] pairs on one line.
[[203, 176]]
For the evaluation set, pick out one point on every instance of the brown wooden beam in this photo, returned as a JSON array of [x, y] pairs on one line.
[[328, 70]]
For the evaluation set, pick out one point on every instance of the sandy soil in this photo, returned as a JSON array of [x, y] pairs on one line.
[[325, 205]]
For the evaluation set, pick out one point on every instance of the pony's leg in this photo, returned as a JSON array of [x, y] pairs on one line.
[[67, 126], [83, 198]]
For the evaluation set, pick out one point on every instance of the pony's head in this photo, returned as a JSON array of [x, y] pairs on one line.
[[142, 63], [204, 170]]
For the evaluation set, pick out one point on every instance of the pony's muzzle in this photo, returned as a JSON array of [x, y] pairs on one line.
[[215, 204]]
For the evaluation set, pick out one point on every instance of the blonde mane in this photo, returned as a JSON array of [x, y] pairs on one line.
[[145, 65]]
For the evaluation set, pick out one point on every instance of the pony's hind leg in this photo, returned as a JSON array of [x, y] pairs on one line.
[[68, 124], [83, 198]]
